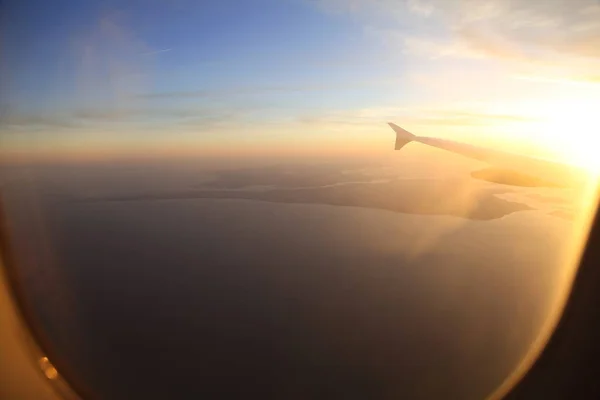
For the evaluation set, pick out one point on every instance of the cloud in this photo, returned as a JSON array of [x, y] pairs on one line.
[[557, 32], [573, 80], [111, 119], [228, 92], [151, 53], [106, 114], [214, 93], [533, 29], [79, 118], [425, 116], [420, 7], [36, 121]]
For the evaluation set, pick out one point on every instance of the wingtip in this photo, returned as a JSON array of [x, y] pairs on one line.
[[403, 137]]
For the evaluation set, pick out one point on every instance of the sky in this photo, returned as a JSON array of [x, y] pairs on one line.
[[236, 76]]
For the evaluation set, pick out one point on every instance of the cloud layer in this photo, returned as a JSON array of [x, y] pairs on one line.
[[559, 34]]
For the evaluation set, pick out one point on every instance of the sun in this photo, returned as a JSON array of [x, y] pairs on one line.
[[571, 127]]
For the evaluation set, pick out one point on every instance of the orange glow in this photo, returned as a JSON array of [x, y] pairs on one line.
[[281, 147]]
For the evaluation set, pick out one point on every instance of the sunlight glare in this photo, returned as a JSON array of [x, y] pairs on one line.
[[571, 126]]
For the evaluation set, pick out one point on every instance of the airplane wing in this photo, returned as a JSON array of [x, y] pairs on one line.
[[507, 168]]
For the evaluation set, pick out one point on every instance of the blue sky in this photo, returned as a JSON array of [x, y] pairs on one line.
[[178, 48], [92, 73]]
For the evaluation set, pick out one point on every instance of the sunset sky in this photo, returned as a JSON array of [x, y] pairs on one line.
[[181, 75]]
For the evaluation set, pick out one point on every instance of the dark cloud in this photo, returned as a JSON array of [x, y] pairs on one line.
[[197, 117], [37, 121], [105, 114]]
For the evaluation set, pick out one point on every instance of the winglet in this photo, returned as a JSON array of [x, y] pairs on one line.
[[403, 137]]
